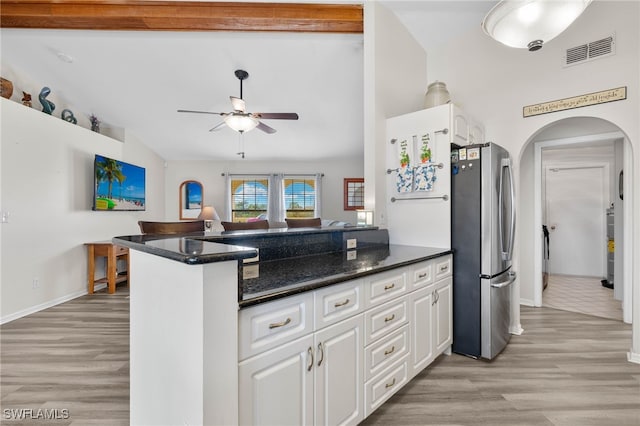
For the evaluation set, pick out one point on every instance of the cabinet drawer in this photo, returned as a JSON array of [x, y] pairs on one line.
[[268, 325], [385, 286], [385, 352], [337, 302], [119, 250], [384, 319], [378, 390], [423, 274], [443, 267]]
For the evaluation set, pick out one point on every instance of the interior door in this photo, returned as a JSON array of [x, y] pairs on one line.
[[575, 207]]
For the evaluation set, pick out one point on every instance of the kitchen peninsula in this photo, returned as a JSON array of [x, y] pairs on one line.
[[330, 322]]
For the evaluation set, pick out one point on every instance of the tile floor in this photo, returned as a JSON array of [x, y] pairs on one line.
[[581, 294]]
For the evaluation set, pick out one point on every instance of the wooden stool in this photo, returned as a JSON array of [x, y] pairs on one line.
[[112, 252]]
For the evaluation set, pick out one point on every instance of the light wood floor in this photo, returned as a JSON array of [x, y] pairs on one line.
[[566, 369]]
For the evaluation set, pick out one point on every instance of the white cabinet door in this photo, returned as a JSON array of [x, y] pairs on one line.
[[460, 124], [338, 373], [422, 317], [443, 332], [276, 387]]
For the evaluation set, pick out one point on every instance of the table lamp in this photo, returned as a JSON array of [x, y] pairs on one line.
[[208, 214]]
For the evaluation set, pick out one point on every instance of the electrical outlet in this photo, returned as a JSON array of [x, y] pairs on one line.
[[35, 284], [5, 217], [352, 255], [352, 243]]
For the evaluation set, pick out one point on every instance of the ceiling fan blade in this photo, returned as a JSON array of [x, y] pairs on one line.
[[218, 126], [276, 115], [265, 128], [202, 112], [237, 103]]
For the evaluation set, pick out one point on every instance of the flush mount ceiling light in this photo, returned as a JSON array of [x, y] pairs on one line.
[[527, 24]]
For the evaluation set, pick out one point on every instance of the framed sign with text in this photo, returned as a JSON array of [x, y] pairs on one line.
[[605, 96]]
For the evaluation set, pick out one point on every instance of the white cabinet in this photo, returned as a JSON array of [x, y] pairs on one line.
[[422, 352], [465, 130], [269, 325], [314, 379], [335, 303], [443, 326], [431, 313], [338, 373], [385, 286], [334, 355], [277, 387]]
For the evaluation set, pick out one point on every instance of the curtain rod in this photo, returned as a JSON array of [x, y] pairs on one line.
[[269, 174]]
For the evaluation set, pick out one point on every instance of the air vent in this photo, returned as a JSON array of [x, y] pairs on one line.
[[589, 51]]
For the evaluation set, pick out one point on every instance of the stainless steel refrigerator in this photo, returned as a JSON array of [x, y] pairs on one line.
[[482, 232]]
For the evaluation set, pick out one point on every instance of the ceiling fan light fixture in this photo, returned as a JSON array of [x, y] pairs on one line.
[[525, 24], [241, 122]]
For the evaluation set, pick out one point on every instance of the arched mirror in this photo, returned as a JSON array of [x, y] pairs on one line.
[[190, 199]]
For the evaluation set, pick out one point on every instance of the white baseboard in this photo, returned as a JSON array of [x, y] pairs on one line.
[[33, 309], [517, 330], [527, 302], [633, 357]]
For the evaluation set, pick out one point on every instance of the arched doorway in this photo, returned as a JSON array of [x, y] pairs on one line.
[[576, 132]]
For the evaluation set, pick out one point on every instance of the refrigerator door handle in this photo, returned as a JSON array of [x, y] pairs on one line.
[[510, 280], [508, 251]]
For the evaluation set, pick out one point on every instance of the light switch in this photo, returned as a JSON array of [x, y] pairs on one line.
[[352, 243], [5, 217]]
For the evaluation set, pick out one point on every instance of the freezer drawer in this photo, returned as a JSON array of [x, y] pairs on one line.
[[496, 313]]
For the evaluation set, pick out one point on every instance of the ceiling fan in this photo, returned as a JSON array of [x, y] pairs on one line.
[[242, 121]]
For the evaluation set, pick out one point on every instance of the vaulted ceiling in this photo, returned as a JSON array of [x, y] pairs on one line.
[[136, 80]]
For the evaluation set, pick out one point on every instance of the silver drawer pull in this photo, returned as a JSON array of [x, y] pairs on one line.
[[390, 351], [423, 275], [338, 304], [388, 385], [444, 268], [389, 287], [391, 318], [280, 324]]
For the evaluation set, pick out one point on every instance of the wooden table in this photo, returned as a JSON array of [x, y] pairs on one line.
[[112, 252]]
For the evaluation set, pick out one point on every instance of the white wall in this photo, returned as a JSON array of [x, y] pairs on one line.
[[47, 188], [493, 83], [209, 173], [394, 84]]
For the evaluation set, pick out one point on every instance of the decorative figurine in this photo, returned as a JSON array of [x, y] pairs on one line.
[[47, 106], [26, 99], [6, 88], [95, 123], [67, 115]]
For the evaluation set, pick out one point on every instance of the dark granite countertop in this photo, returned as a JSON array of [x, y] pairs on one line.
[[186, 248], [282, 278], [291, 262]]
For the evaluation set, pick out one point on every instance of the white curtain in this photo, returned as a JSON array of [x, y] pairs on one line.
[[318, 210], [226, 216], [276, 208]]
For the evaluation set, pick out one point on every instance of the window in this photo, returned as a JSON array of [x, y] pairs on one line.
[[273, 196], [300, 197], [354, 193], [249, 199]]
